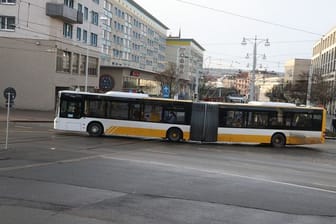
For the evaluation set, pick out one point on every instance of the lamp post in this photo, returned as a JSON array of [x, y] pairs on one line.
[[255, 42]]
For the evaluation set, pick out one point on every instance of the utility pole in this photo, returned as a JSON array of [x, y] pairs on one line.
[[255, 42]]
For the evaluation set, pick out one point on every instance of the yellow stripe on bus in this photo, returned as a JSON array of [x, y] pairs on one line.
[[301, 140], [290, 140], [141, 132], [243, 138]]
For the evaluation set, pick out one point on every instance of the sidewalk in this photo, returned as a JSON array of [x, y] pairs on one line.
[[20, 115]]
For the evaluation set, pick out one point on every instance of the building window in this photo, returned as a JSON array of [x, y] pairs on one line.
[[84, 36], [96, 1], [82, 66], [94, 18], [69, 3], [94, 39], [86, 13], [79, 33], [93, 66], [75, 63], [7, 23], [80, 8], [63, 61], [8, 1], [67, 30]]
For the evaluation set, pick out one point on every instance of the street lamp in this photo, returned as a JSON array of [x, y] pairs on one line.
[[255, 42]]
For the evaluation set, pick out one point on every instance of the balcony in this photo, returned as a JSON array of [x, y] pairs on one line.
[[64, 13]]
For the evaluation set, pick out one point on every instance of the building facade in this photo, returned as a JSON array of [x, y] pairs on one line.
[[264, 84], [186, 55], [133, 48], [90, 45], [324, 65], [242, 83], [47, 46], [296, 70]]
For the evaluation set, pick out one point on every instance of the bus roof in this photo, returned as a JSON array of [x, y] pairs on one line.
[[272, 104], [126, 94], [110, 93], [146, 96]]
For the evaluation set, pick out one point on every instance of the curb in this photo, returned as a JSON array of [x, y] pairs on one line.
[[330, 138], [32, 121]]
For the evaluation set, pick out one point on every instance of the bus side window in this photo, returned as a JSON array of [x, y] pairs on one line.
[[171, 118], [237, 119], [135, 112], [152, 113]]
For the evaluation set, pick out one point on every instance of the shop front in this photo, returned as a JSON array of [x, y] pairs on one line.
[[128, 80]]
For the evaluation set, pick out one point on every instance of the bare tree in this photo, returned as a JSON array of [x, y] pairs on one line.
[[322, 91], [168, 78], [276, 94]]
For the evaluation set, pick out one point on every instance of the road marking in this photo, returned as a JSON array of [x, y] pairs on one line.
[[108, 156], [223, 173], [48, 163], [20, 126]]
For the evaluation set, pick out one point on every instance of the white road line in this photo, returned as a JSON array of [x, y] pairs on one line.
[[26, 127], [223, 173], [48, 163], [108, 156]]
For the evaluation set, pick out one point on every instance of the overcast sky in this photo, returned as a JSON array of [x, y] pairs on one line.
[[292, 27]]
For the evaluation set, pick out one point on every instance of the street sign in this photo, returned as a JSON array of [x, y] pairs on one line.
[[10, 91], [165, 92], [10, 95]]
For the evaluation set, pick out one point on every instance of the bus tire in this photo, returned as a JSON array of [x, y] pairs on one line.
[[278, 140], [95, 129], [174, 135]]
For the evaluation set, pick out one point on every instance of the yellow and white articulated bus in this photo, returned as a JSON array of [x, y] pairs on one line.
[[139, 115]]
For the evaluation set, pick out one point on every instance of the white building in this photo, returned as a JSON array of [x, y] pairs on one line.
[[187, 56], [296, 69], [133, 48], [324, 64], [264, 83]]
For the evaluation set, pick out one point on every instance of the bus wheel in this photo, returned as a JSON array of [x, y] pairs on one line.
[[95, 129], [174, 135], [278, 140]]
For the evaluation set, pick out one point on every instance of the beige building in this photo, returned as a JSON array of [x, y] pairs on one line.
[[186, 55], [44, 48], [296, 69]]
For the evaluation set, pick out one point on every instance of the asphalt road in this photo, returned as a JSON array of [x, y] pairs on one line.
[[56, 177]]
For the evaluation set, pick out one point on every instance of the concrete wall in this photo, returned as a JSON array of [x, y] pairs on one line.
[[29, 66]]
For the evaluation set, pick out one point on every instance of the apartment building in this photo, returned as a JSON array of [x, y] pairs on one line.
[[242, 83], [186, 55], [324, 65], [93, 45], [133, 48], [296, 69]]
